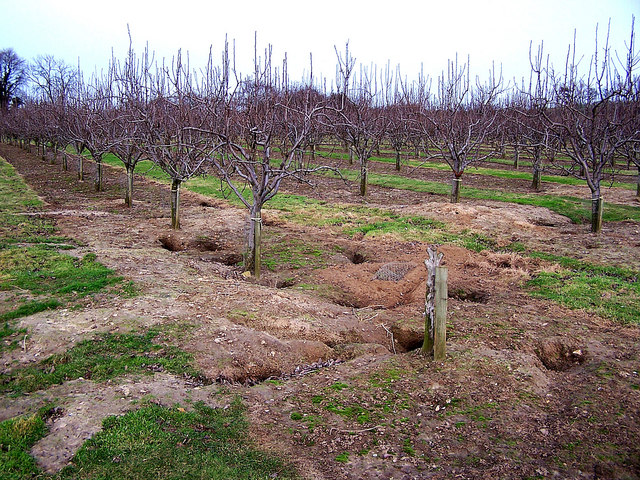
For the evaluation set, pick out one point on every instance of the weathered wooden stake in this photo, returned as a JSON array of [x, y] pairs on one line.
[[440, 330], [429, 305]]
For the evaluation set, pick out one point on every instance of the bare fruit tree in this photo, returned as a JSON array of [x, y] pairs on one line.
[[265, 126], [589, 115], [461, 120], [172, 129], [359, 118], [125, 120]]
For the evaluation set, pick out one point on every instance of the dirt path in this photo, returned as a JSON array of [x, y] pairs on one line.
[[529, 388]]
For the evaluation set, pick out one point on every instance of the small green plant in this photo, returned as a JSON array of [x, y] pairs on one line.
[[343, 457], [338, 386], [296, 416], [407, 447]]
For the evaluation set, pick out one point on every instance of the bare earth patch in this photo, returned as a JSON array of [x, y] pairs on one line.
[[530, 389]]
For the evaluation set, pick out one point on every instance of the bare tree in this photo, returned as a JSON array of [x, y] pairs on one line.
[[125, 119], [265, 125], [589, 115], [55, 83], [13, 74], [359, 118], [87, 123], [172, 128], [462, 120]]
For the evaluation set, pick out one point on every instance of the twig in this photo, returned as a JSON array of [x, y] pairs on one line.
[[389, 334], [24, 344], [332, 429]]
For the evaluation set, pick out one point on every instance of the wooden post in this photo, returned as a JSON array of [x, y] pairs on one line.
[[440, 330], [430, 301]]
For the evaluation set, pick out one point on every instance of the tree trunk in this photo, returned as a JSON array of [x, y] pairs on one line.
[[596, 212], [350, 156], [516, 157], [537, 172], [80, 167], [253, 262], [536, 182], [175, 204], [65, 161], [313, 152], [128, 194], [98, 180], [44, 151], [638, 183], [455, 189], [364, 172], [398, 160]]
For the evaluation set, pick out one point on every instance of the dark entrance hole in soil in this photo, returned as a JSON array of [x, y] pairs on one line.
[[226, 258], [407, 339], [205, 245], [285, 282], [557, 356], [356, 257], [474, 296], [205, 203], [172, 243]]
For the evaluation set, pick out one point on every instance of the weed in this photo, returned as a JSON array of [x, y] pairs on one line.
[[407, 447], [343, 457], [296, 416]]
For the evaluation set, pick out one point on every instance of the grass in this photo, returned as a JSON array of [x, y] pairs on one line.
[[609, 291], [36, 275], [162, 443], [104, 357], [490, 172], [153, 442], [17, 436], [576, 209]]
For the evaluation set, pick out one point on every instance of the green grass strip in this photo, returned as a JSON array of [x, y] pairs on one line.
[[492, 172], [576, 209], [609, 291], [107, 356], [17, 436], [155, 442]]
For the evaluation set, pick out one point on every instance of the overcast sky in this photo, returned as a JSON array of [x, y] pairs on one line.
[[408, 33]]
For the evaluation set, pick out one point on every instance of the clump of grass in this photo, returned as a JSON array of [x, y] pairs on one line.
[[156, 442], [17, 436], [104, 357], [610, 296], [292, 253]]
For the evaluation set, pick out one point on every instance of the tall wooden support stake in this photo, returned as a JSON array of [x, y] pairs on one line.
[[440, 329], [432, 264]]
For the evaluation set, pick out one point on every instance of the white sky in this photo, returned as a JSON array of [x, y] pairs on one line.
[[397, 31]]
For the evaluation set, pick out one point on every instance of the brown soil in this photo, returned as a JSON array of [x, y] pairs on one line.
[[530, 389]]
